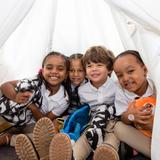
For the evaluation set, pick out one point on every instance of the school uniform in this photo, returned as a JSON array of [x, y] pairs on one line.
[[102, 108], [127, 133], [56, 103]]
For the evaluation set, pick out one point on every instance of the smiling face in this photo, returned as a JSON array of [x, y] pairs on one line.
[[54, 70], [76, 72], [131, 74], [97, 73]]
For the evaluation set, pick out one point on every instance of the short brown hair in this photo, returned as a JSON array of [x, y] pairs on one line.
[[99, 54]]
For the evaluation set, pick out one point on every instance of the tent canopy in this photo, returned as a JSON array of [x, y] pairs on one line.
[[30, 29]]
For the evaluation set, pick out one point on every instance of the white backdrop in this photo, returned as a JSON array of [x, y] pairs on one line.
[[22, 53], [29, 29]]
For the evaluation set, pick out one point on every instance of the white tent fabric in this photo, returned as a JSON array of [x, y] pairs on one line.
[[72, 26], [22, 53], [81, 24], [11, 16], [76, 29]]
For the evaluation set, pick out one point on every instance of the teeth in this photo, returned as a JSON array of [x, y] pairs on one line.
[[95, 75], [54, 78]]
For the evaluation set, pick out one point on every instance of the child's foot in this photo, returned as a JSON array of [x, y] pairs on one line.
[[105, 152], [60, 148], [42, 135], [24, 148], [5, 139]]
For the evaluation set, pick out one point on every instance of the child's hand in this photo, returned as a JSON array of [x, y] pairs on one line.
[[23, 97], [141, 114], [147, 126]]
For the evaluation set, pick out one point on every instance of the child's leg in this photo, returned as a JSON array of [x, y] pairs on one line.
[[109, 148], [99, 120], [133, 138], [5, 139], [28, 130], [81, 148]]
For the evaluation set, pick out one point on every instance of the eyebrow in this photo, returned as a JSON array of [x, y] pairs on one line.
[[59, 65]]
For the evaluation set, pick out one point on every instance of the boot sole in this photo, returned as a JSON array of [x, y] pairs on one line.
[[24, 148], [105, 152], [60, 148], [42, 135]]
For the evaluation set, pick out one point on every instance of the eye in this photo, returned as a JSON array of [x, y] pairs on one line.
[[71, 70], [49, 67], [119, 76], [80, 70], [88, 66], [61, 68], [99, 64], [130, 71]]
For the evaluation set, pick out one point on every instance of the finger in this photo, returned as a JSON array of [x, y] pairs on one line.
[[144, 113], [145, 118], [27, 93], [146, 122]]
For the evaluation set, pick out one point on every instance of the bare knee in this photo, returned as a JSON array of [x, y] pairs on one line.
[[120, 129]]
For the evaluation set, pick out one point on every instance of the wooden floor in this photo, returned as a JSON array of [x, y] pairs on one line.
[[7, 153]]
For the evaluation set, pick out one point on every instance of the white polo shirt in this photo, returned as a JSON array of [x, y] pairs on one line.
[[123, 97], [56, 103], [105, 94]]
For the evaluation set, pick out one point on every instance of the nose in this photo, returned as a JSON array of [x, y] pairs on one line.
[[75, 73], [54, 70], [125, 77], [94, 68]]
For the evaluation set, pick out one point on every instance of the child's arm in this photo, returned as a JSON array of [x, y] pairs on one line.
[[8, 89], [37, 114]]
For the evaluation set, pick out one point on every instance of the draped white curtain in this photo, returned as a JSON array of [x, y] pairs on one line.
[[138, 23], [77, 25], [12, 15], [31, 28], [83, 23], [22, 53]]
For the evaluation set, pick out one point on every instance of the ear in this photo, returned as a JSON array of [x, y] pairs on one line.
[[145, 70], [42, 70], [67, 74]]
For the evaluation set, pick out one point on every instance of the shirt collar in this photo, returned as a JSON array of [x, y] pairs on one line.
[[103, 86]]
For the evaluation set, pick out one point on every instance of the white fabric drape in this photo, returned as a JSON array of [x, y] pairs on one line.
[[22, 54], [138, 23], [77, 25], [73, 27], [12, 15], [83, 23]]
